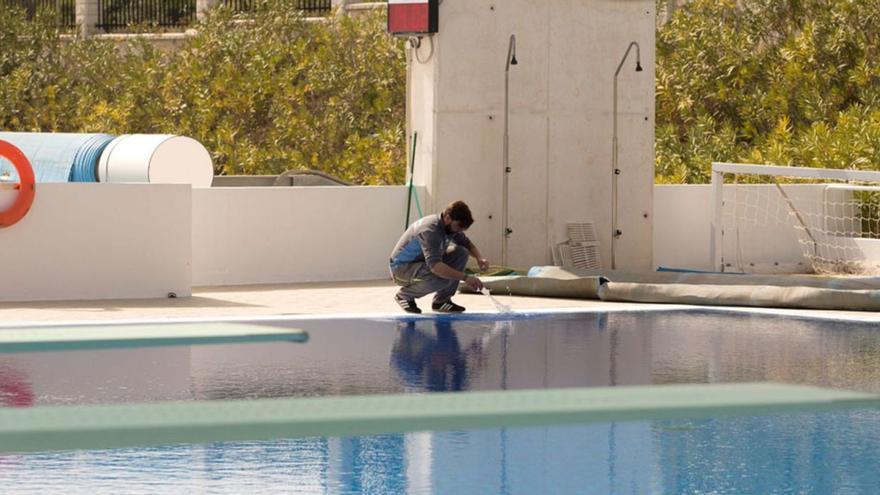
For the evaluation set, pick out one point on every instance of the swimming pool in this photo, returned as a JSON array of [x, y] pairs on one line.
[[811, 452]]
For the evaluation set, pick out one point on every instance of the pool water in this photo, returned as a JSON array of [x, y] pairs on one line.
[[802, 453]]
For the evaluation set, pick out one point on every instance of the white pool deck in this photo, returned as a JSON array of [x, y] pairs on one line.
[[320, 300]]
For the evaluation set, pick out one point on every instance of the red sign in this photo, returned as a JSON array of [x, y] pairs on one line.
[[412, 16]]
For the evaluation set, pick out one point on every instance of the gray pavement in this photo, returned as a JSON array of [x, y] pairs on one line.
[[313, 299]]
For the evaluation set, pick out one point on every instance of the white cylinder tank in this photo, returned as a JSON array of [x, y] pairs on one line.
[[157, 159]]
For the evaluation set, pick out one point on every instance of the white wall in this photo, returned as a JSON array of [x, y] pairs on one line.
[[108, 241], [560, 125], [99, 241], [295, 234], [683, 222]]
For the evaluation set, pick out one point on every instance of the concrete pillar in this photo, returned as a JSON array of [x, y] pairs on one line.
[[560, 123], [87, 17], [203, 6]]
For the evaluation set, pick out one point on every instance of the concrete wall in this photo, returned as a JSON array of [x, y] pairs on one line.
[[138, 240], [683, 222], [127, 240], [99, 241], [560, 125], [106, 241], [295, 234]]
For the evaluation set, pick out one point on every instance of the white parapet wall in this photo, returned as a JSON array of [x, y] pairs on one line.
[[683, 216], [110, 241], [258, 235], [682, 224], [99, 241]]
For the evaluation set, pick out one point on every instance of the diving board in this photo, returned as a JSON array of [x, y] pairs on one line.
[[69, 338], [79, 427]]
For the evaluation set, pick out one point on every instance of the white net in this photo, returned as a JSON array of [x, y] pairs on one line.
[[773, 223]]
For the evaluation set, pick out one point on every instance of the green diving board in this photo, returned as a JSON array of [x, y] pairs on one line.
[[48, 428], [40, 339]]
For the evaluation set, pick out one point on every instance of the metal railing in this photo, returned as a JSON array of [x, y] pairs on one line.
[[64, 10], [119, 15], [308, 7], [114, 15]]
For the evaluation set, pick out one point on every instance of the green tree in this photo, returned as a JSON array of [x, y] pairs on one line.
[[793, 82], [264, 93]]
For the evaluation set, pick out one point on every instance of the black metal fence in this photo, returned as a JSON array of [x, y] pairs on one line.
[[116, 15], [308, 7], [63, 10], [120, 15]]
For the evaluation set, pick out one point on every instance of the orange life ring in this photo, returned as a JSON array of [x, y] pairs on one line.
[[25, 186]]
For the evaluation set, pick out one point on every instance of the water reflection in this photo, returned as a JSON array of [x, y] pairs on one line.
[[829, 453], [428, 356], [432, 361], [15, 388], [345, 357], [797, 453]]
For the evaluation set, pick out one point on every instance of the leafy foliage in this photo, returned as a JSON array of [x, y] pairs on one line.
[[789, 82], [264, 94]]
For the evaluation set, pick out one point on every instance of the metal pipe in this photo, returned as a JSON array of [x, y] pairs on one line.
[[616, 233], [506, 231]]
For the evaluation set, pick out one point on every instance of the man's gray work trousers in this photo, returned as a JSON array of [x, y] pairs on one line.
[[417, 280]]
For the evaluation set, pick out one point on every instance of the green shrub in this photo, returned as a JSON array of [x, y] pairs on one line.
[[790, 82], [264, 94]]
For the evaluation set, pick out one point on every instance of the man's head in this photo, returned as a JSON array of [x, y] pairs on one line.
[[457, 217]]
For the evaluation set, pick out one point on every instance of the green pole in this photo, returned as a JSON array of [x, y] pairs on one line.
[[412, 167]]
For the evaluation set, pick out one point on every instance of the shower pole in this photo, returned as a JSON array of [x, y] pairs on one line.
[[506, 231], [615, 170]]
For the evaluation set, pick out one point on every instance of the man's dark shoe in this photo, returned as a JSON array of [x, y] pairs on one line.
[[447, 307], [408, 305]]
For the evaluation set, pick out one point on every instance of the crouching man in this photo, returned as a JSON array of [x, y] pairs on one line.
[[431, 257]]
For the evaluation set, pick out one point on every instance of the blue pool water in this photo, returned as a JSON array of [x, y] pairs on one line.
[[802, 453]]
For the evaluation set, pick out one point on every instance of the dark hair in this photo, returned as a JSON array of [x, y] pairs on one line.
[[459, 211]]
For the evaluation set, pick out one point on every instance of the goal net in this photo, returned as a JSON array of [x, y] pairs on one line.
[[772, 219]]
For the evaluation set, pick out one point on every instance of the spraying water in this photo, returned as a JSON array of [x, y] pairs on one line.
[[501, 328], [501, 307]]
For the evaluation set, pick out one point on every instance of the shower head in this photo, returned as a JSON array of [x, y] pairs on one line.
[[625, 55], [511, 52]]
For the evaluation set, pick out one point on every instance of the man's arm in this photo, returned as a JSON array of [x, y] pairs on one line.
[[482, 262], [462, 240], [443, 270]]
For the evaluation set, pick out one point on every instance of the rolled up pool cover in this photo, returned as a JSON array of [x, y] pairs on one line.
[[60, 157], [156, 158], [756, 296], [706, 289], [144, 158], [566, 288]]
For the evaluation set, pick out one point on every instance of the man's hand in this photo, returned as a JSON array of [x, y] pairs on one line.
[[484, 264], [474, 283]]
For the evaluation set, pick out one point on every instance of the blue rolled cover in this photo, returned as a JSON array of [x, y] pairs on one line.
[[59, 157]]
